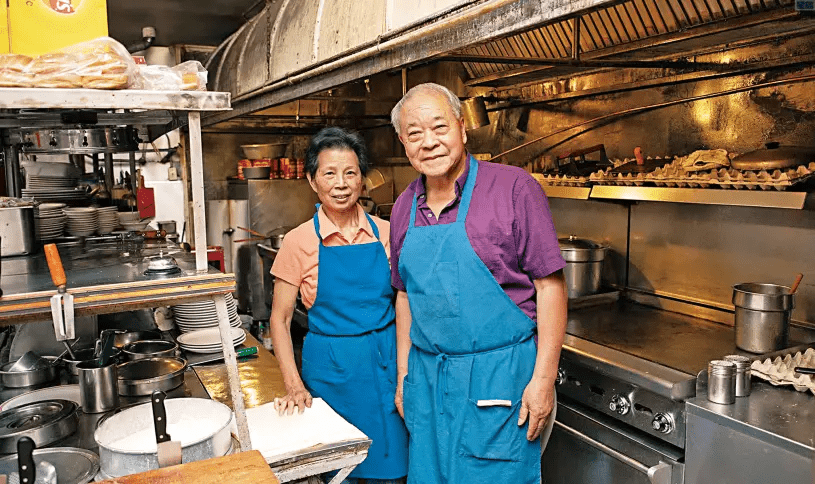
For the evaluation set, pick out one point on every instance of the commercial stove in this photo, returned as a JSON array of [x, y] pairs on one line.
[[625, 373]]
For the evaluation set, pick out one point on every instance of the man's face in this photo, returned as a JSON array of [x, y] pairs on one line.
[[432, 135]]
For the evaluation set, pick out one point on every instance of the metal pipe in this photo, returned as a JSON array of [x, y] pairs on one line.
[[109, 172], [95, 158], [588, 63], [132, 161], [651, 107], [12, 159], [576, 39]]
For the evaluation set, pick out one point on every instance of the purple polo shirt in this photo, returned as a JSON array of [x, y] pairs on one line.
[[509, 226]]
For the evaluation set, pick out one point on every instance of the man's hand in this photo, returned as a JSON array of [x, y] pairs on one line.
[[536, 406]]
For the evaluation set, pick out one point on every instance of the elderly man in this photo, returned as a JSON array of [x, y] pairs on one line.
[[475, 259]]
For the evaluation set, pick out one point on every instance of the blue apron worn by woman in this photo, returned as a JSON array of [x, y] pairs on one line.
[[471, 358], [349, 354]]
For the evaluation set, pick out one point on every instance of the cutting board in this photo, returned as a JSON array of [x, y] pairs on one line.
[[244, 468]]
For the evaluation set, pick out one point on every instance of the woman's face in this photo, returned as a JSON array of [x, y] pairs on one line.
[[338, 181]]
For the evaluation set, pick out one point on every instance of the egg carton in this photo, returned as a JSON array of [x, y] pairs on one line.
[[674, 175], [561, 180], [781, 370]]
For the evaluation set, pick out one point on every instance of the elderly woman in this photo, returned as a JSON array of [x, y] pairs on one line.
[[339, 263]]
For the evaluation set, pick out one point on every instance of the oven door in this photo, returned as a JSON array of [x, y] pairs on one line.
[[589, 447]]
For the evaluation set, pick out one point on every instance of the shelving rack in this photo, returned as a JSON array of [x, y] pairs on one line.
[[121, 287]]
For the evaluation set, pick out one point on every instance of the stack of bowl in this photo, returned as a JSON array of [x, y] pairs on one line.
[[82, 221], [49, 220], [108, 220]]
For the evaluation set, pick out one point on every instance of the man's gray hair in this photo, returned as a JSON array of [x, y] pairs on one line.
[[452, 100]]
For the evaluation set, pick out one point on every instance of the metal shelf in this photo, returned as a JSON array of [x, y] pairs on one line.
[[35, 98], [739, 198], [576, 193]]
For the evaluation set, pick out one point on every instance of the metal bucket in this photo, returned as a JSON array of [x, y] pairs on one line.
[[127, 442], [762, 316]]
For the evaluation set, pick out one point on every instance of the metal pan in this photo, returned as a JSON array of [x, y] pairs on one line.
[[27, 378], [146, 375], [149, 348]]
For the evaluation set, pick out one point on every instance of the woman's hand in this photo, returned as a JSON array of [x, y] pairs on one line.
[[397, 399], [298, 398]]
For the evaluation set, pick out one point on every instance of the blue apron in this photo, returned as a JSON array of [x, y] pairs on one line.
[[471, 344], [349, 354]]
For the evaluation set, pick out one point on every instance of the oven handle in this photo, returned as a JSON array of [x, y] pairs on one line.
[[658, 474]]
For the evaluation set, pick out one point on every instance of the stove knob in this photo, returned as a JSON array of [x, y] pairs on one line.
[[663, 422], [619, 404], [561, 377]]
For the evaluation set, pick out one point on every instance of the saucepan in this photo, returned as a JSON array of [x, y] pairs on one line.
[[144, 376], [149, 348]]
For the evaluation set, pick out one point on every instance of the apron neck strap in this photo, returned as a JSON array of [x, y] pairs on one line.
[[316, 217], [467, 192], [466, 195]]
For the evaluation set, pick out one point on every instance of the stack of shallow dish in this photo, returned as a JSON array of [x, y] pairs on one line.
[[49, 220], [201, 315], [82, 221], [52, 188], [208, 340], [108, 220], [131, 221]]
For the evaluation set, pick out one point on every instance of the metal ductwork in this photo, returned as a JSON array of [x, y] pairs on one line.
[[293, 49]]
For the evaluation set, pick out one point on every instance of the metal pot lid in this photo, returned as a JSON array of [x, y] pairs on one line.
[[774, 156], [16, 421], [73, 465], [162, 263], [574, 249]]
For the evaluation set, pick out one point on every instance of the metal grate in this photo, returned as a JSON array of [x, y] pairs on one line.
[[610, 27]]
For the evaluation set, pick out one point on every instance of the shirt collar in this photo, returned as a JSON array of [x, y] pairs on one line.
[[328, 228], [421, 190]]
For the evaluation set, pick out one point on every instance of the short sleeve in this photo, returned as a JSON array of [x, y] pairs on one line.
[[400, 219], [288, 265], [535, 235]]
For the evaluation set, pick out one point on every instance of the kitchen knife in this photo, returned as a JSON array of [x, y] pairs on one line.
[[25, 460], [169, 451]]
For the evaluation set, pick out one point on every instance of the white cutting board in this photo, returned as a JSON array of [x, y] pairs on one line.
[[278, 436]]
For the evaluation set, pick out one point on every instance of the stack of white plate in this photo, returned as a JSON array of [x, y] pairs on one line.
[[108, 219], [200, 315], [208, 340], [82, 221], [46, 182], [49, 220]]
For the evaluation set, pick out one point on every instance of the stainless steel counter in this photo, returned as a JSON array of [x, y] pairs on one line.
[[766, 437], [779, 416]]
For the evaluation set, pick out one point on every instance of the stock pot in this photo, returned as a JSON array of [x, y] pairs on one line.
[[584, 265]]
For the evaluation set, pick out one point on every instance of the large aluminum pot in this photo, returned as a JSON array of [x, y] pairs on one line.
[[584, 265], [762, 316], [149, 348], [122, 337], [127, 440]]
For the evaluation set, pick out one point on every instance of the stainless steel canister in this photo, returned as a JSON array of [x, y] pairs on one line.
[[584, 265], [721, 382], [762, 316], [98, 386], [742, 373]]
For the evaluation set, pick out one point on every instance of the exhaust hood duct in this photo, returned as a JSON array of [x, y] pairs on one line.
[[474, 112]]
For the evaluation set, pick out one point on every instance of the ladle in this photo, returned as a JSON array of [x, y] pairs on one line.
[[795, 284]]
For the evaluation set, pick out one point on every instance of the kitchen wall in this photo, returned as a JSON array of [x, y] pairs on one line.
[[684, 251]]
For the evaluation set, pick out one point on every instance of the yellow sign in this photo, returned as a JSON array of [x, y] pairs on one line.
[[39, 26]]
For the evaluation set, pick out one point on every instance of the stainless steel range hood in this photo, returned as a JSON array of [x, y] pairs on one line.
[[294, 49]]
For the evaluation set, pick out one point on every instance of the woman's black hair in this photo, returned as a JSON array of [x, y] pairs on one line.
[[335, 137]]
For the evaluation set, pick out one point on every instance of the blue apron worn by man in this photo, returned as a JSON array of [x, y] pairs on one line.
[[475, 260]]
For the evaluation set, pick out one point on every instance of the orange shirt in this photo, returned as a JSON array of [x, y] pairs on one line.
[[297, 260]]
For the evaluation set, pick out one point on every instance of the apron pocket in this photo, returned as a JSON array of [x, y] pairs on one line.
[[492, 432]]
